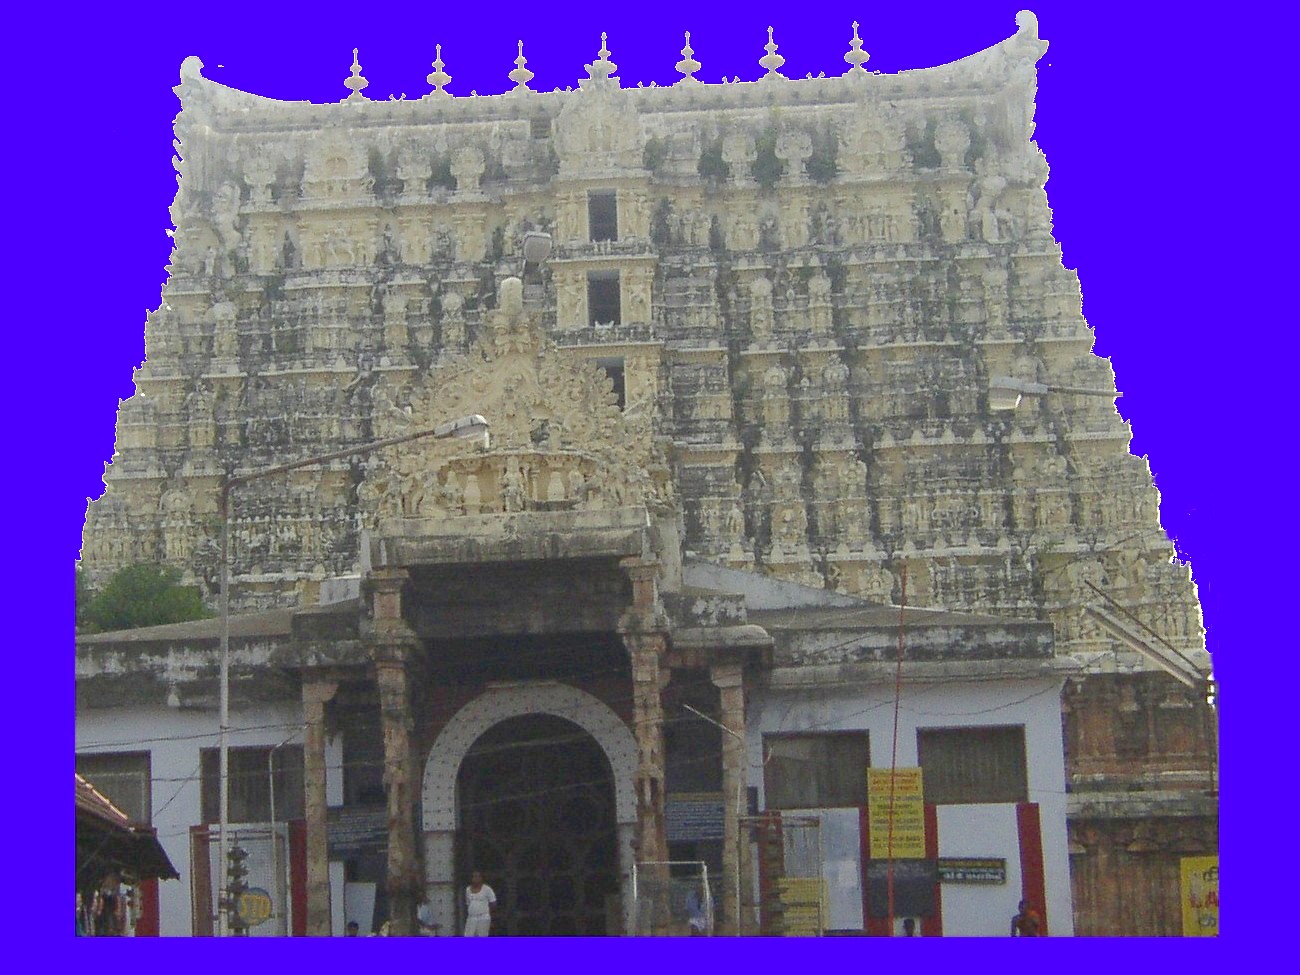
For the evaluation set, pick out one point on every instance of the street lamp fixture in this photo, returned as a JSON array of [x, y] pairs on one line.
[[463, 428], [1006, 393]]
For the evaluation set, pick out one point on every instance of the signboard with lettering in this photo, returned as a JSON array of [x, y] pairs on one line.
[[972, 870], [355, 831], [1200, 894], [897, 824], [913, 888], [693, 820], [804, 902], [254, 906]]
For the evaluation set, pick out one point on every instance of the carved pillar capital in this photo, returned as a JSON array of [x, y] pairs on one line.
[[383, 587], [729, 674], [645, 611]]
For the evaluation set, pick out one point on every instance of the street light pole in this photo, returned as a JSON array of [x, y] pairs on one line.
[[468, 427]]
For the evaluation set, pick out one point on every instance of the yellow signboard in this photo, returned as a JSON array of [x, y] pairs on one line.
[[1200, 895], [254, 906], [906, 813], [804, 903]]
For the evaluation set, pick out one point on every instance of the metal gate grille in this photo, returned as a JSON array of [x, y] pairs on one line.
[[662, 892], [268, 872], [789, 890]]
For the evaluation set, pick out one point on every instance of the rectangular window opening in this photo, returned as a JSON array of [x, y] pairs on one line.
[[602, 214], [123, 778], [614, 370], [816, 771], [604, 307], [973, 765], [251, 784]]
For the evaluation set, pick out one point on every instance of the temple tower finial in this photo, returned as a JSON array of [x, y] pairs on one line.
[[602, 67], [355, 83], [437, 77], [771, 60], [521, 75], [856, 56], [688, 65]]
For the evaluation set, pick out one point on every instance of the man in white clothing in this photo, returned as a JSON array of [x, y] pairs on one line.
[[479, 901]]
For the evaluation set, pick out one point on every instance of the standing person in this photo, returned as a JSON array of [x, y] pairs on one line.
[[354, 930], [82, 930], [424, 917], [909, 927], [110, 916], [479, 901], [1027, 923], [697, 910]]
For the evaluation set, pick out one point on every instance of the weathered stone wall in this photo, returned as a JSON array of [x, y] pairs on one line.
[[816, 279]]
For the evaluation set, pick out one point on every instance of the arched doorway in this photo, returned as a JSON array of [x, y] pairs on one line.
[[535, 797]]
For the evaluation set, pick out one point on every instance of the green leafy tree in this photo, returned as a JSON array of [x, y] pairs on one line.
[[141, 595], [85, 595]]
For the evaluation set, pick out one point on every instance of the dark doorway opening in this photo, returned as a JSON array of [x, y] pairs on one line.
[[536, 799]]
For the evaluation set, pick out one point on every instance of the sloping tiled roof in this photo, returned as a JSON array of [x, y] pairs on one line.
[[91, 800], [108, 840]]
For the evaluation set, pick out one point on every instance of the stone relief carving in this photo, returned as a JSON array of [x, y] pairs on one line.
[[559, 441]]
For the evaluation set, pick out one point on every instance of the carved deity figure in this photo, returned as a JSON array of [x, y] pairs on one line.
[[735, 526], [760, 308], [453, 322], [513, 495], [776, 404], [577, 486]]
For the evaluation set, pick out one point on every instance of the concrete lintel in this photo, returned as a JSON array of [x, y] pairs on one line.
[[922, 672], [744, 637], [523, 547], [1143, 805]]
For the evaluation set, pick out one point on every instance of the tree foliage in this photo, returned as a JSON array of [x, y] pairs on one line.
[[139, 595]]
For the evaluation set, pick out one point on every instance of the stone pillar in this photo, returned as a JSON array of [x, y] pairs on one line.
[[315, 694], [391, 644], [648, 680], [643, 630], [648, 718], [729, 678]]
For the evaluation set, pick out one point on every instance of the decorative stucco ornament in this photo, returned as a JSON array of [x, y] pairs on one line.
[[771, 60], [688, 65], [521, 75], [856, 56], [438, 78], [355, 83]]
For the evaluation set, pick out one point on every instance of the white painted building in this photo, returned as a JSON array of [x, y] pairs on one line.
[[979, 712]]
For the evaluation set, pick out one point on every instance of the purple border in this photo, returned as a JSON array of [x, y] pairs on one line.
[[1130, 114]]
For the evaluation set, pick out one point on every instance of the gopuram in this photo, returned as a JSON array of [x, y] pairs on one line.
[[763, 341]]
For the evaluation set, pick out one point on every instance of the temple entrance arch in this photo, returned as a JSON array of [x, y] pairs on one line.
[[548, 708], [535, 796]]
